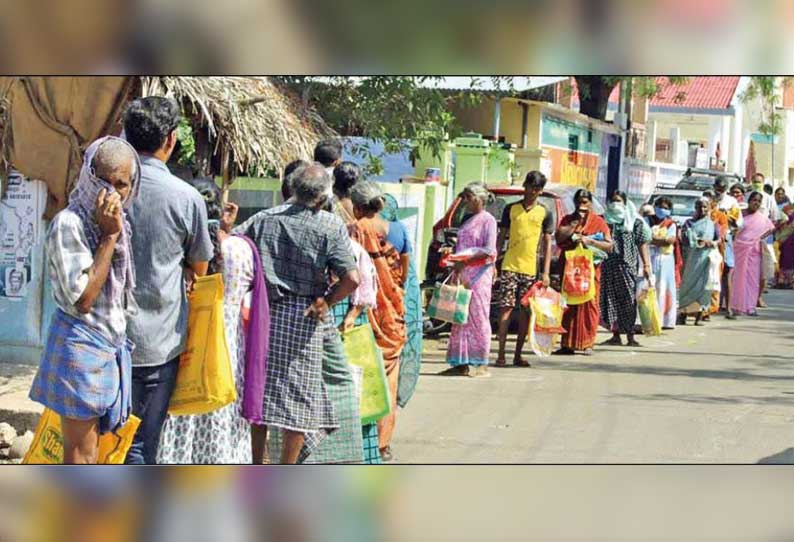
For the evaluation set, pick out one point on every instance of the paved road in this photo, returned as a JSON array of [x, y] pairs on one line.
[[722, 393]]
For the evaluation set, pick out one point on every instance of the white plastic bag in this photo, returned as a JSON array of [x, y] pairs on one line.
[[715, 271]]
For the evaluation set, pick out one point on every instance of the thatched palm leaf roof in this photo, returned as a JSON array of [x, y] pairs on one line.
[[264, 125]]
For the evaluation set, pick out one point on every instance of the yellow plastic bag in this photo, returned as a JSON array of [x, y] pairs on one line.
[[650, 315], [47, 445], [578, 281], [204, 381], [362, 351], [542, 343]]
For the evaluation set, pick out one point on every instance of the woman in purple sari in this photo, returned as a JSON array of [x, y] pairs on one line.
[[470, 344], [785, 240]]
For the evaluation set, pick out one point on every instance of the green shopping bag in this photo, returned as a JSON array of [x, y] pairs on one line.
[[450, 303], [362, 351]]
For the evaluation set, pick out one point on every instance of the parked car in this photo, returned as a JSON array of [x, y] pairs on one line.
[[557, 198], [703, 179], [683, 202]]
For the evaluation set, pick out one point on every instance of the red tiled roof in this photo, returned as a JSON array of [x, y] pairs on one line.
[[698, 93]]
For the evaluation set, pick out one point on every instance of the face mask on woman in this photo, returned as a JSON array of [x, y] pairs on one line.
[[617, 207], [662, 213]]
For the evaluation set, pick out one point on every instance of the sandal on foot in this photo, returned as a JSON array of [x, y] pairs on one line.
[[386, 455], [501, 362], [633, 344], [587, 352], [480, 372], [614, 341], [459, 370], [521, 363], [564, 352]]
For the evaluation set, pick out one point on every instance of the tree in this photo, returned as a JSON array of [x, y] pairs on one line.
[[594, 91], [767, 89], [399, 112]]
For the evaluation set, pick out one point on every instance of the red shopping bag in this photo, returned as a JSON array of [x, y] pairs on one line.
[[578, 282], [577, 275]]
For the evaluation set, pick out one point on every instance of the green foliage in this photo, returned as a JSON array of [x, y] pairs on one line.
[[187, 144], [397, 112], [766, 88]]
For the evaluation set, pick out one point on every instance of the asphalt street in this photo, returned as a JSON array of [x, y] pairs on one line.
[[721, 393]]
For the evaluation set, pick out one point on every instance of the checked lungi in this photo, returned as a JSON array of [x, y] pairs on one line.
[[295, 395], [345, 444], [342, 445], [83, 375]]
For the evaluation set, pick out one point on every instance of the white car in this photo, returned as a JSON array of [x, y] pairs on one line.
[[683, 202]]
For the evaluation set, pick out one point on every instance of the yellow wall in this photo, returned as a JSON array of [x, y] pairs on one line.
[[480, 119]]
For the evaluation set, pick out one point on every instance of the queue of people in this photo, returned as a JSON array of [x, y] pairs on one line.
[[717, 261], [123, 257], [133, 239]]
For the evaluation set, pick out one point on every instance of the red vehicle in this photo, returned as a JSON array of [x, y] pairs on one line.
[[557, 198]]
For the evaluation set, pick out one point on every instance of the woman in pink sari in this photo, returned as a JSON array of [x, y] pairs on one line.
[[475, 252], [747, 252]]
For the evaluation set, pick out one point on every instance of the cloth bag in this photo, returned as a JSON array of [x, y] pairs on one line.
[[47, 445], [450, 303], [362, 351], [204, 381], [650, 315], [578, 282]]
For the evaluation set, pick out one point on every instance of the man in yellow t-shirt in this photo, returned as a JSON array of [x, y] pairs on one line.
[[524, 224]]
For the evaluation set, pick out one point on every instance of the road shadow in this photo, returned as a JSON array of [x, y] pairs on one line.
[[786, 457], [711, 400], [656, 370]]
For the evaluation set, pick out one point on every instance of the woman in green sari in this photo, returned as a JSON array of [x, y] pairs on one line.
[[699, 237], [411, 356]]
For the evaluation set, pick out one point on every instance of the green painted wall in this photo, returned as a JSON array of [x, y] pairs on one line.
[[421, 206]]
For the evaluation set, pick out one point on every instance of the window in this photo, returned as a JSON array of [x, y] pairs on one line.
[[664, 150], [573, 148]]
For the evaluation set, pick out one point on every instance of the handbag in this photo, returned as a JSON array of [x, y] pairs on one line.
[[362, 352], [204, 380], [47, 445], [578, 284], [450, 303]]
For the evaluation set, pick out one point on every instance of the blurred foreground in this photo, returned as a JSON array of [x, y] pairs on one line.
[[629, 503]]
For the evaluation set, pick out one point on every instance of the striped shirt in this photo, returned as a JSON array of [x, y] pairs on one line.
[[69, 259]]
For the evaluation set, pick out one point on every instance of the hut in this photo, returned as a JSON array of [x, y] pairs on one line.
[[240, 126]]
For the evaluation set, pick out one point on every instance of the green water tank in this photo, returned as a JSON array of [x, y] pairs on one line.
[[471, 160]]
